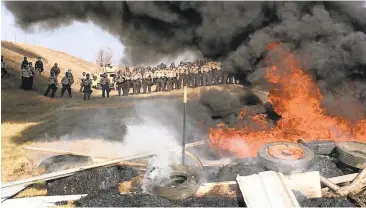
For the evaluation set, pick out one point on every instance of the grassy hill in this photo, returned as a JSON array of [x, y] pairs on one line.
[[14, 53]]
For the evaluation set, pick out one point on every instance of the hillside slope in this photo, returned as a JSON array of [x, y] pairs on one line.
[[14, 53]]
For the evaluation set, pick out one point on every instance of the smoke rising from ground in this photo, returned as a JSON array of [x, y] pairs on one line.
[[328, 37]]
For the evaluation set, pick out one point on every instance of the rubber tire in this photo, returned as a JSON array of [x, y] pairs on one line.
[[184, 190], [285, 166], [352, 158], [324, 147]]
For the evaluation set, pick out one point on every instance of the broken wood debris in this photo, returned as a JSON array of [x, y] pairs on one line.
[[267, 189]]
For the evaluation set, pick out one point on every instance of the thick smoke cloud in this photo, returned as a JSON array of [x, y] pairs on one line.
[[329, 37]]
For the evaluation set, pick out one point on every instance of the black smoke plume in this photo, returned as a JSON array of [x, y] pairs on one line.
[[328, 37]]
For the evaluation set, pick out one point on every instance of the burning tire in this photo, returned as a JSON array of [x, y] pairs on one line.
[[183, 183], [352, 154], [285, 157]]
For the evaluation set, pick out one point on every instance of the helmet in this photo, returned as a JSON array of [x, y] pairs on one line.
[[56, 64], [25, 58], [87, 75], [39, 58]]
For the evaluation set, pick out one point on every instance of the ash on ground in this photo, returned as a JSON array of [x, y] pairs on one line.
[[91, 180], [112, 198]]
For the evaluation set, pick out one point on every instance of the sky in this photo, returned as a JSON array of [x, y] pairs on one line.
[[82, 40]]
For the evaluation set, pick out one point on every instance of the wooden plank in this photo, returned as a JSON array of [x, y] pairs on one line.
[[61, 174], [222, 189], [307, 183], [40, 201], [343, 178], [267, 189]]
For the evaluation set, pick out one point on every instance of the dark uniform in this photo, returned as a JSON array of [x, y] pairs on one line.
[[25, 75], [104, 83], [66, 82], [119, 81], [147, 78], [31, 78], [39, 65], [24, 63], [55, 70], [159, 77], [87, 83], [52, 85], [127, 84], [136, 77]]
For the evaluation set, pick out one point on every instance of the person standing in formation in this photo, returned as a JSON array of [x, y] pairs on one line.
[[127, 84], [55, 69], [180, 72], [25, 75], [52, 85], [31, 78], [147, 78], [119, 79], [4, 67], [159, 77], [136, 76], [194, 75], [206, 78], [87, 83], [66, 82], [39, 66], [105, 82]]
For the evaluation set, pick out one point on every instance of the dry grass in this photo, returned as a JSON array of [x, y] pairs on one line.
[[14, 53], [23, 110]]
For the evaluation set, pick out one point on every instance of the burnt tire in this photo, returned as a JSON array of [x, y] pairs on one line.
[[182, 190], [324, 147], [285, 166], [352, 154]]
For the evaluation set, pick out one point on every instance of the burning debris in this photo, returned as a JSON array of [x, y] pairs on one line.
[[297, 99]]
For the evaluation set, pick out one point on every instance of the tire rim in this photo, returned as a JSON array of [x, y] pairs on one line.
[[286, 152]]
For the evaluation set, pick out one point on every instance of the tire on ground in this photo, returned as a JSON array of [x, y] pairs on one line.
[[324, 147], [352, 154], [183, 190], [285, 166]]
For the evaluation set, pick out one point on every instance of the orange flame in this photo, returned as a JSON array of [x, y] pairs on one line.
[[297, 99]]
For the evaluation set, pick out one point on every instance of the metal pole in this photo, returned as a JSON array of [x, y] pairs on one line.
[[184, 123]]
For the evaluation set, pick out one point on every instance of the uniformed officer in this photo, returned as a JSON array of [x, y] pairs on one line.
[[39, 65], [105, 82], [127, 84], [31, 78], [87, 83], [159, 77], [136, 76], [24, 63], [147, 78], [55, 69], [194, 75], [52, 85], [66, 82], [119, 81], [25, 75]]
